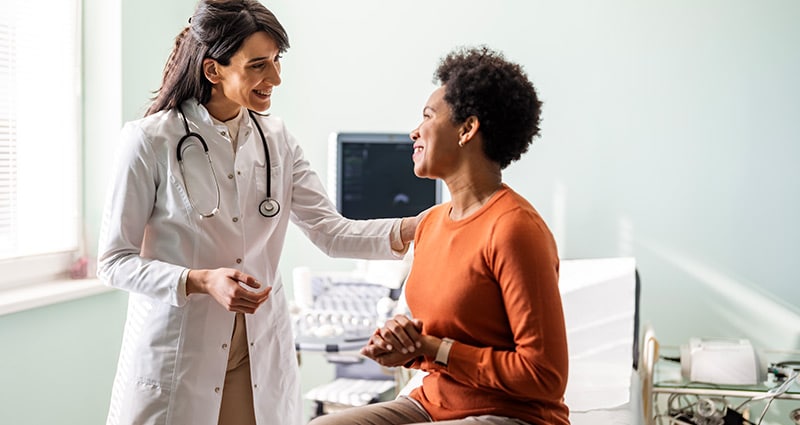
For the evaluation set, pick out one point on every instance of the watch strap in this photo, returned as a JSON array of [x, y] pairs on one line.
[[443, 353]]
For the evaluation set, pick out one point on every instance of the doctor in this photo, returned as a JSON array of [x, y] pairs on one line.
[[195, 221]]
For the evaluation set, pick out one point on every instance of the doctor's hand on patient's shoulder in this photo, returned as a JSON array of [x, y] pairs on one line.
[[408, 226], [224, 286]]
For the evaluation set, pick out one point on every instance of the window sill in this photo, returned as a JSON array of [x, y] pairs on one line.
[[13, 300]]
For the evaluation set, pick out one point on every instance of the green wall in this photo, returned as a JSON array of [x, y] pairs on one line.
[[57, 363]]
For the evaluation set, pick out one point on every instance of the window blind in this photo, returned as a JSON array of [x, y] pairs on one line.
[[8, 164], [40, 116]]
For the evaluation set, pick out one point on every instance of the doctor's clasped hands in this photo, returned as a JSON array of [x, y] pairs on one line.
[[227, 287]]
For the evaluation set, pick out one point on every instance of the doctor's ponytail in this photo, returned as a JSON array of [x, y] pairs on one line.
[[170, 95], [178, 41]]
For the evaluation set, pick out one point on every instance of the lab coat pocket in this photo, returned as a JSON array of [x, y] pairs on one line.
[[260, 176], [147, 402], [178, 196]]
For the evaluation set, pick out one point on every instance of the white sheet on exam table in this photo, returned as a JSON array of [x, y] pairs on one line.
[[599, 298]]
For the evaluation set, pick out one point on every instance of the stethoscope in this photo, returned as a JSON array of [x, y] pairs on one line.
[[268, 207]]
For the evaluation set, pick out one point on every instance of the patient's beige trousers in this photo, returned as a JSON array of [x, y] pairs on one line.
[[402, 411], [237, 394]]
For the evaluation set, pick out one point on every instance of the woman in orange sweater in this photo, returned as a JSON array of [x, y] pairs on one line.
[[487, 324]]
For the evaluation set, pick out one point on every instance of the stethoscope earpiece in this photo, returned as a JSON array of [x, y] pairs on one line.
[[269, 207]]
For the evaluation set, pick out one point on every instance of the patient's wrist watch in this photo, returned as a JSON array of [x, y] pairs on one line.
[[443, 353]]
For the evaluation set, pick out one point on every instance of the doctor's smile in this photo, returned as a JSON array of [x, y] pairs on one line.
[[263, 94]]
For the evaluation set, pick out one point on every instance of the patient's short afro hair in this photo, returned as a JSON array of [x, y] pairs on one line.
[[481, 82]]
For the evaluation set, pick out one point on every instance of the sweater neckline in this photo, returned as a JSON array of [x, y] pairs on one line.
[[479, 212]]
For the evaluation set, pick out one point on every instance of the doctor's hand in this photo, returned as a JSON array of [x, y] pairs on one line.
[[408, 226], [225, 286]]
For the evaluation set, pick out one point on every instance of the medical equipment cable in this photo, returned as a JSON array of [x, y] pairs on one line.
[[771, 395]]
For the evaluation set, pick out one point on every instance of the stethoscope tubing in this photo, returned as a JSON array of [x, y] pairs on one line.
[[269, 207]]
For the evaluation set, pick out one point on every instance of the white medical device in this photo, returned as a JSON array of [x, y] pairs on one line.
[[339, 311], [720, 361]]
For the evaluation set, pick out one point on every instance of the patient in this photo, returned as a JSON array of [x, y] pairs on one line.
[[487, 324]]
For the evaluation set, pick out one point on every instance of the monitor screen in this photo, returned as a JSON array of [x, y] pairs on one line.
[[373, 177]]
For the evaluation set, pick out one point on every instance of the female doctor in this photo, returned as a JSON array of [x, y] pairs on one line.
[[195, 221]]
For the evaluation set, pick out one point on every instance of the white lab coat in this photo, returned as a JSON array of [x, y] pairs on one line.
[[174, 351]]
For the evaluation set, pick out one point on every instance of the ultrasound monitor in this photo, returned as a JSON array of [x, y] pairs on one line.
[[371, 175]]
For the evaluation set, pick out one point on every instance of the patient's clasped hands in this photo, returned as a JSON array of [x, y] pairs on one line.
[[399, 341]]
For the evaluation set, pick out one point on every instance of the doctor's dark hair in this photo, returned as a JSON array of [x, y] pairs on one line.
[[481, 82], [216, 31]]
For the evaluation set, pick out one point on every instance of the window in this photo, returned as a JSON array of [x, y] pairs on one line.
[[40, 149]]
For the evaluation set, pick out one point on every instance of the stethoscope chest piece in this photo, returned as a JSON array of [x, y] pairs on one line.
[[269, 207]]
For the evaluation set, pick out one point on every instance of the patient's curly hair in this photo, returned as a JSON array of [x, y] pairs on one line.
[[481, 82]]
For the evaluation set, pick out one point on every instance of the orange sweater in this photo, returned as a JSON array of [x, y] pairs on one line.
[[490, 282]]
